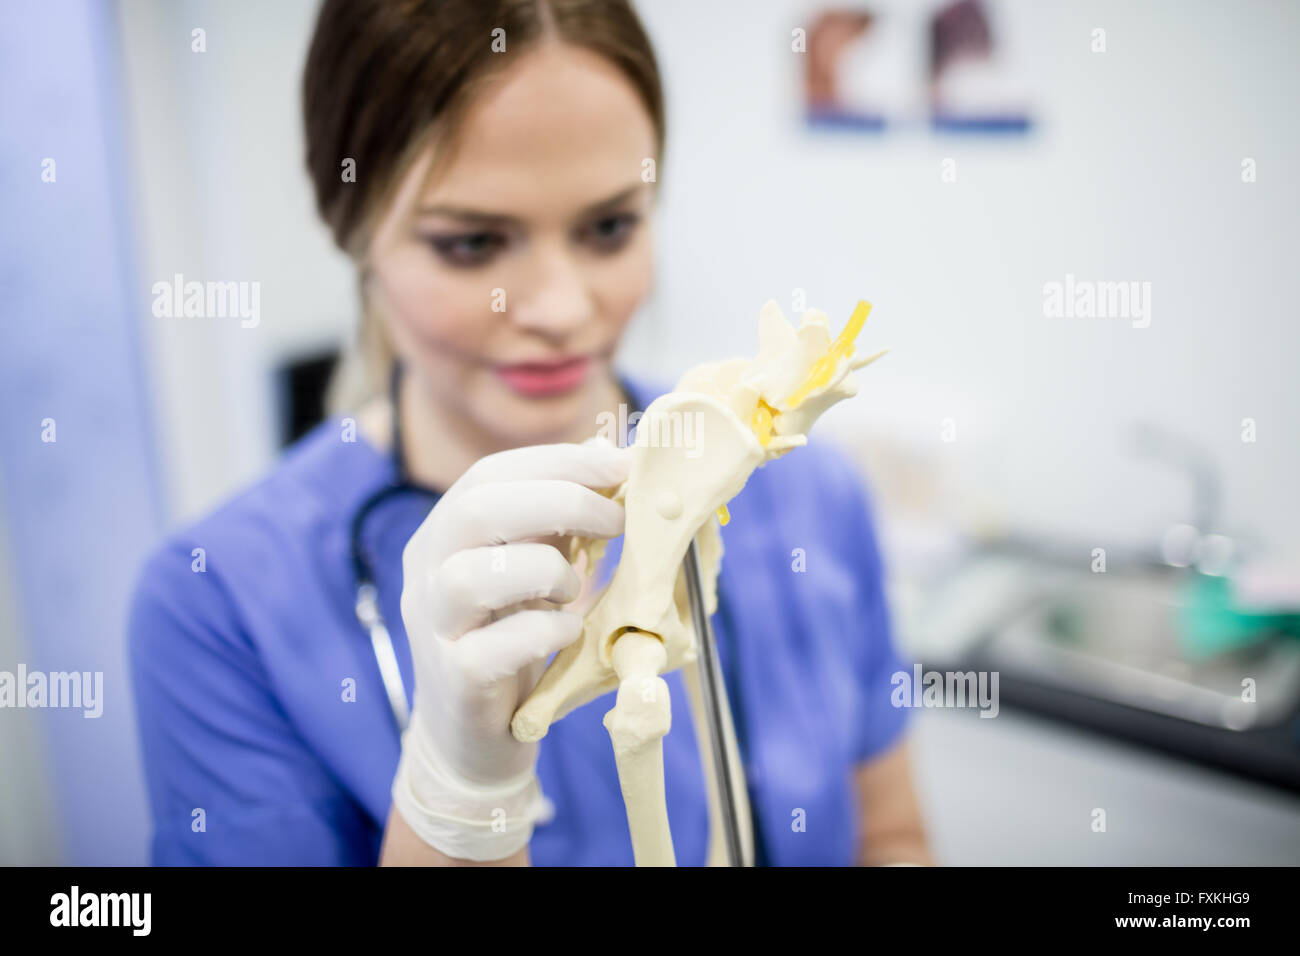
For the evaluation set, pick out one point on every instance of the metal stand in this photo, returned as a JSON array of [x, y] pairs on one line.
[[714, 690]]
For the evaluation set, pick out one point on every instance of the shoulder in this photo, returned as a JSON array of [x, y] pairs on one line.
[[307, 493], [295, 513], [820, 470], [816, 493]]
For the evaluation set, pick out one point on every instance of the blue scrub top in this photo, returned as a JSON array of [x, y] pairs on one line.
[[266, 732]]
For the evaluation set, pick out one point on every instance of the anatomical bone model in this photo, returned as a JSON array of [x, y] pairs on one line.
[[739, 414]]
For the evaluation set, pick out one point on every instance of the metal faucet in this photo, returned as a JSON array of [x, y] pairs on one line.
[[1195, 542]]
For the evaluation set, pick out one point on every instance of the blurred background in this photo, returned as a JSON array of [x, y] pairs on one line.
[[1099, 505]]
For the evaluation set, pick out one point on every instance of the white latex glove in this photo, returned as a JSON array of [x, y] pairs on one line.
[[474, 602]]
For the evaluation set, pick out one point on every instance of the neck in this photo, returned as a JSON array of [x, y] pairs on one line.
[[440, 445]]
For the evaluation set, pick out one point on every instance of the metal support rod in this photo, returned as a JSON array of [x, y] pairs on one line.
[[713, 691]]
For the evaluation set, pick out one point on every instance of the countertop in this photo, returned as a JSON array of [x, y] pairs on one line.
[[1019, 789]]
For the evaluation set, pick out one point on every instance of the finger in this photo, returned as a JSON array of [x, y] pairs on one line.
[[505, 647], [598, 464], [506, 511], [473, 583]]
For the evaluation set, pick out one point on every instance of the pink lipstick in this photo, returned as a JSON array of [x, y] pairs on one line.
[[540, 379]]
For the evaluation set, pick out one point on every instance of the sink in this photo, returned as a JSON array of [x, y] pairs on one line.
[[1115, 635]]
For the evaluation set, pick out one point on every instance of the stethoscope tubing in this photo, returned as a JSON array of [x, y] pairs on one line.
[[366, 606]]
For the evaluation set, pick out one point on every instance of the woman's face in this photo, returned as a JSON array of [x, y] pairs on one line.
[[507, 279]]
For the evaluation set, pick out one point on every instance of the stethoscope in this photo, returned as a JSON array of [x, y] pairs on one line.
[[363, 575], [367, 602]]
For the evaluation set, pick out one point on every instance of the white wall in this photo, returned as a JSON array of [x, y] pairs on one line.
[[1133, 173]]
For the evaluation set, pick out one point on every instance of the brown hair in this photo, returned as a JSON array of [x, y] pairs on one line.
[[385, 77]]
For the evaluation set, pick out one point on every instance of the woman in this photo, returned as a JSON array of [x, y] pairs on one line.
[[483, 164]]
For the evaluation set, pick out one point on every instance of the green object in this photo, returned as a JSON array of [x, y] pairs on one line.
[[1209, 623]]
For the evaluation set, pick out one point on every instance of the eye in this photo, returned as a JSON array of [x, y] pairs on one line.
[[467, 249], [611, 233]]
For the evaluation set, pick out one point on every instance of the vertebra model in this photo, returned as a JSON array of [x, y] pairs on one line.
[[740, 414]]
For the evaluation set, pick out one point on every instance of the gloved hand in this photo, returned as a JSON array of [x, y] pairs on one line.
[[475, 604]]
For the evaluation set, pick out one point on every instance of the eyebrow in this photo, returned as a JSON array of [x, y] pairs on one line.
[[479, 217]]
